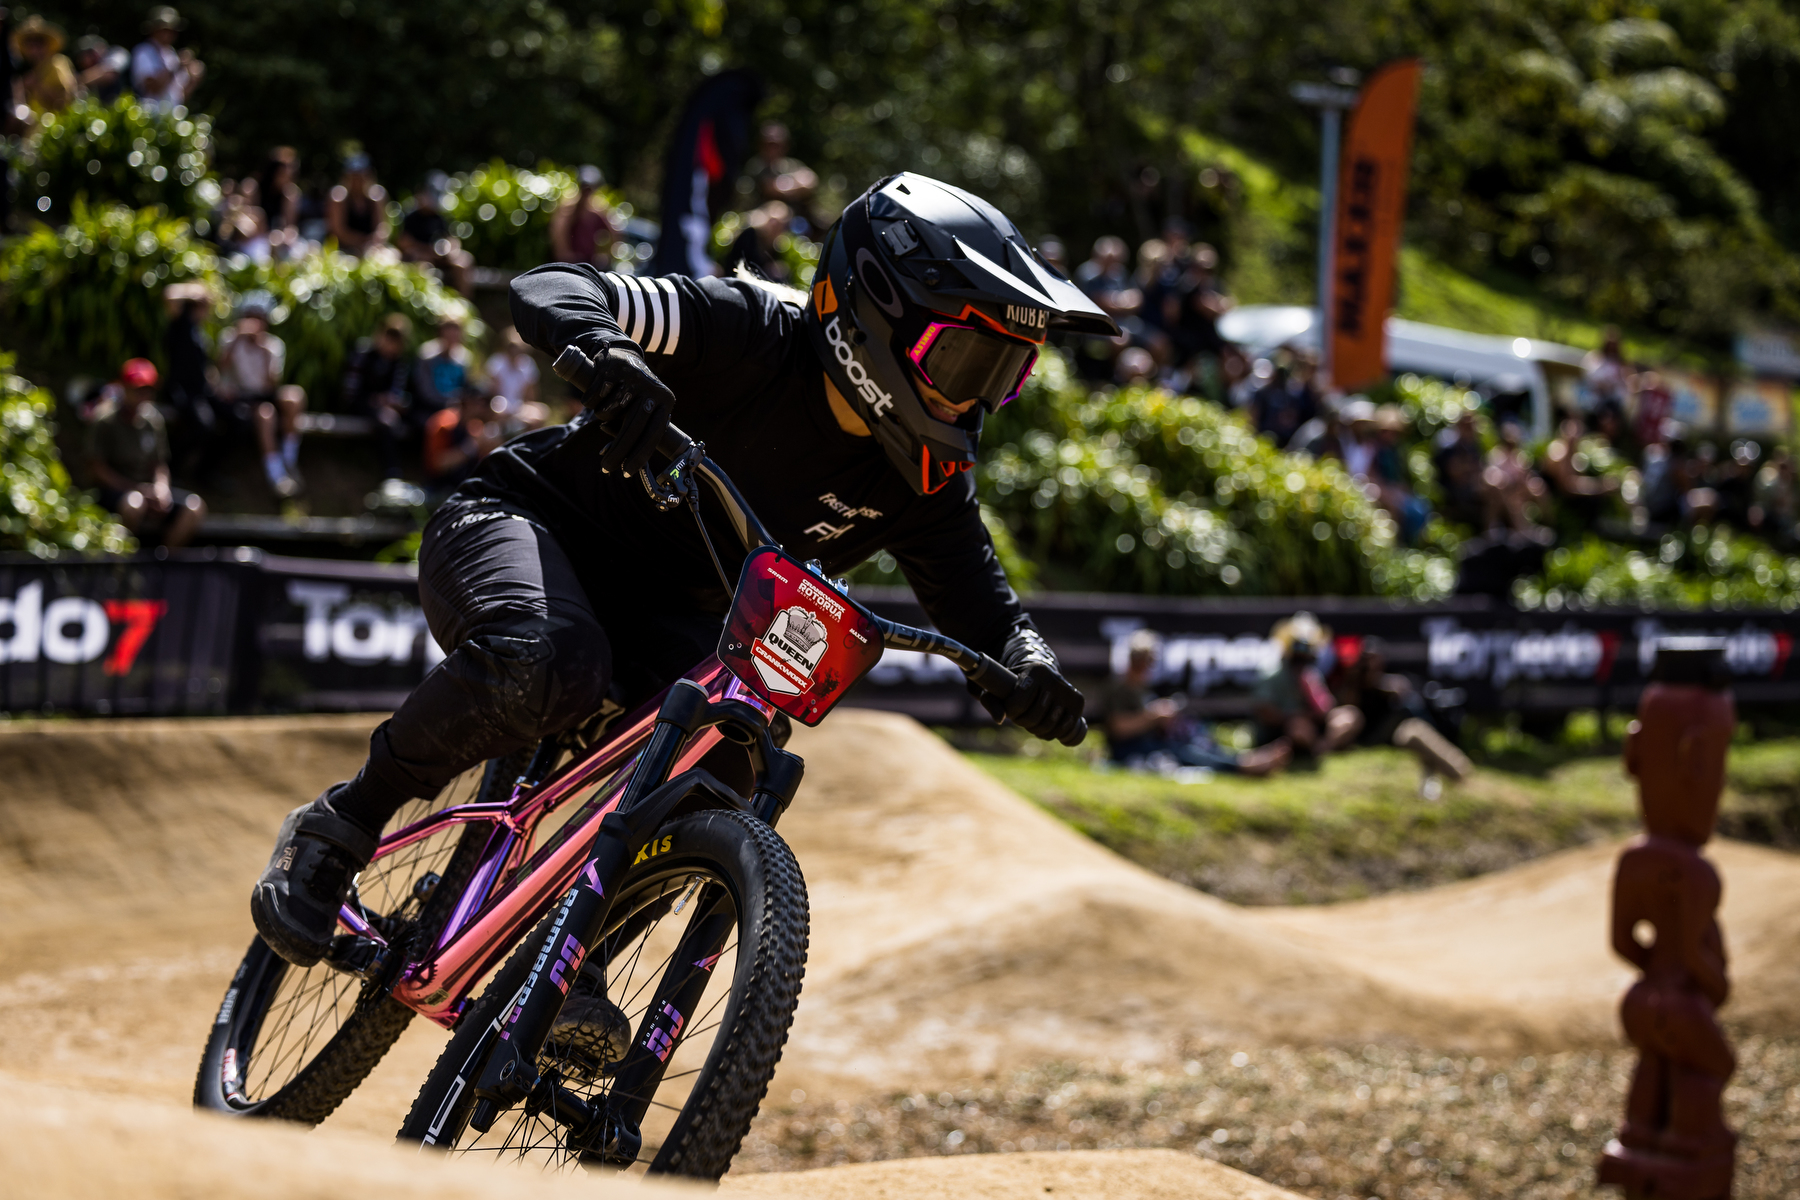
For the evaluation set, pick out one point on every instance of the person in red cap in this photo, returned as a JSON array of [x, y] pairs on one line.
[[128, 452]]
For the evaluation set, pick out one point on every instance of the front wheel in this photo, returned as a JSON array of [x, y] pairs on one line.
[[725, 871]]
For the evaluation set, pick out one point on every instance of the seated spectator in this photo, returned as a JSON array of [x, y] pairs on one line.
[[1391, 478], [1143, 730], [47, 84], [190, 383], [425, 237], [1291, 703], [101, 69], [1604, 374], [756, 247], [278, 197], [1357, 440], [1580, 497], [128, 453], [356, 209], [241, 229], [582, 229], [251, 363], [1287, 401], [1105, 280], [1457, 458], [1655, 406], [446, 368], [512, 378], [1511, 485], [1775, 500], [1393, 711], [775, 174], [458, 438], [378, 383], [162, 76]]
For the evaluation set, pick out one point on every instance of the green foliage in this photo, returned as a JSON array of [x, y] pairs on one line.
[[91, 290], [117, 154], [1700, 568], [502, 214], [41, 511], [1143, 491], [325, 302]]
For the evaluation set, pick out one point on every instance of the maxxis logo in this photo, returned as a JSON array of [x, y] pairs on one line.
[[71, 630], [877, 400]]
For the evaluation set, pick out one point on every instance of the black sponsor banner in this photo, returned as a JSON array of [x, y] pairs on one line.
[[243, 632], [121, 636]]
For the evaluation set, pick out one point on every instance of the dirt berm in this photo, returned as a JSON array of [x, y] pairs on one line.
[[956, 929]]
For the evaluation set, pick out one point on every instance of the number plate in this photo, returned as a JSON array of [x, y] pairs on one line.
[[795, 640]]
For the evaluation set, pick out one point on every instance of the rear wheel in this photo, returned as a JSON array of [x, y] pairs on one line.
[[293, 1043], [720, 877]]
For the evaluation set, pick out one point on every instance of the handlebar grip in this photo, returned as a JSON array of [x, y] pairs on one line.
[[1080, 734], [994, 679], [575, 368]]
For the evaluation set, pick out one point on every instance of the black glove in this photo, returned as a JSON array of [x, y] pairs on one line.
[[1044, 704], [632, 404]]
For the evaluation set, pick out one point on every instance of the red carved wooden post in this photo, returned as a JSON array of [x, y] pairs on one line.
[[1674, 1143]]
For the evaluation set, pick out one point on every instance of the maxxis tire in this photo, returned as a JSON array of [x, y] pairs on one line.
[[772, 917], [367, 1033]]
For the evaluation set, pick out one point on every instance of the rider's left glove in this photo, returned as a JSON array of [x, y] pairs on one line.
[[632, 404], [1044, 704]]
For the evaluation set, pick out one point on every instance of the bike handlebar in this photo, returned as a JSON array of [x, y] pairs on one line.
[[577, 369]]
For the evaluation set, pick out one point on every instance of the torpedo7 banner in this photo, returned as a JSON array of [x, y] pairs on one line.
[[216, 632], [1371, 203]]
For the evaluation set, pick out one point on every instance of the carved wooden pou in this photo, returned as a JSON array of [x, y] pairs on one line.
[[1674, 1143]]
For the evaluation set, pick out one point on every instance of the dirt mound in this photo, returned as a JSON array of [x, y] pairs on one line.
[[956, 929], [1076, 1175], [76, 1147]]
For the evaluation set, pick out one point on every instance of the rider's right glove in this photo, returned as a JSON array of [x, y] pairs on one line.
[[1044, 704], [630, 402]]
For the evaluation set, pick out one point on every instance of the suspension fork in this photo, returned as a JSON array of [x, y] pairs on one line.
[[510, 1074], [613, 1135]]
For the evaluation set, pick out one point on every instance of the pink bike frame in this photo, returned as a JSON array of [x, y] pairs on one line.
[[513, 885]]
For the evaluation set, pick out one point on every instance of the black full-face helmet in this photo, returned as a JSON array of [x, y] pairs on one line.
[[924, 286]]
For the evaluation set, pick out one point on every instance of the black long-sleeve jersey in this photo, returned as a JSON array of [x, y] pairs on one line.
[[748, 383]]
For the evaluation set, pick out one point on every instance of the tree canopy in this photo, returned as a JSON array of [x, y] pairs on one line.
[[1632, 158]]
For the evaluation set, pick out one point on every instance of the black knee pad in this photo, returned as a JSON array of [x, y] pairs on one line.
[[535, 678]]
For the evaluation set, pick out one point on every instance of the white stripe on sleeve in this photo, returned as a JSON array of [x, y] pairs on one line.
[[672, 300], [653, 301], [635, 331]]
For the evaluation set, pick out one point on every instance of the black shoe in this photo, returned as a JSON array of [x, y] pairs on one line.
[[591, 1033], [317, 856]]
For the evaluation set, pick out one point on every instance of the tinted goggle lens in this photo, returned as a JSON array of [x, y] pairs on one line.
[[966, 362]]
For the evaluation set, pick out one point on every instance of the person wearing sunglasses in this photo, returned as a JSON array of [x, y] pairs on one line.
[[848, 416]]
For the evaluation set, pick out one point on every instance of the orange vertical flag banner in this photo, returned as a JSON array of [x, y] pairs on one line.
[[1371, 206]]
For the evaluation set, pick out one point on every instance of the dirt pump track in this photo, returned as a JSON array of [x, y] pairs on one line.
[[957, 931]]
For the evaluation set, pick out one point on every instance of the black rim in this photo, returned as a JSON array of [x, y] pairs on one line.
[[638, 951]]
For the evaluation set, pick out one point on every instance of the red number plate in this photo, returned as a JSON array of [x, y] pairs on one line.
[[795, 640]]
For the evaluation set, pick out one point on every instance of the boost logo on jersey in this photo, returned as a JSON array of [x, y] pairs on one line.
[[877, 399]]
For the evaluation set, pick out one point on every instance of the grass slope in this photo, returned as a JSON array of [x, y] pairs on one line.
[[1357, 825]]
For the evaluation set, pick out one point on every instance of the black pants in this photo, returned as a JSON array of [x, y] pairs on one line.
[[529, 652]]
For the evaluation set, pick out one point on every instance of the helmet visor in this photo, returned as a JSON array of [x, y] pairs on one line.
[[971, 362]]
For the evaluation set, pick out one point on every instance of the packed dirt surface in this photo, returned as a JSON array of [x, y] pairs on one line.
[[1077, 1175], [956, 931]]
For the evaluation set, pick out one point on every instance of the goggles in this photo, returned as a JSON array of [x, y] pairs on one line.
[[972, 358]]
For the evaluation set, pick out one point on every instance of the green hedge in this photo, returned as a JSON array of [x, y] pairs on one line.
[[117, 154], [90, 292], [41, 511], [1693, 569], [1139, 490]]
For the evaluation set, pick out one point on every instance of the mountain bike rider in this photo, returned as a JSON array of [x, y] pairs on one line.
[[849, 419]]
